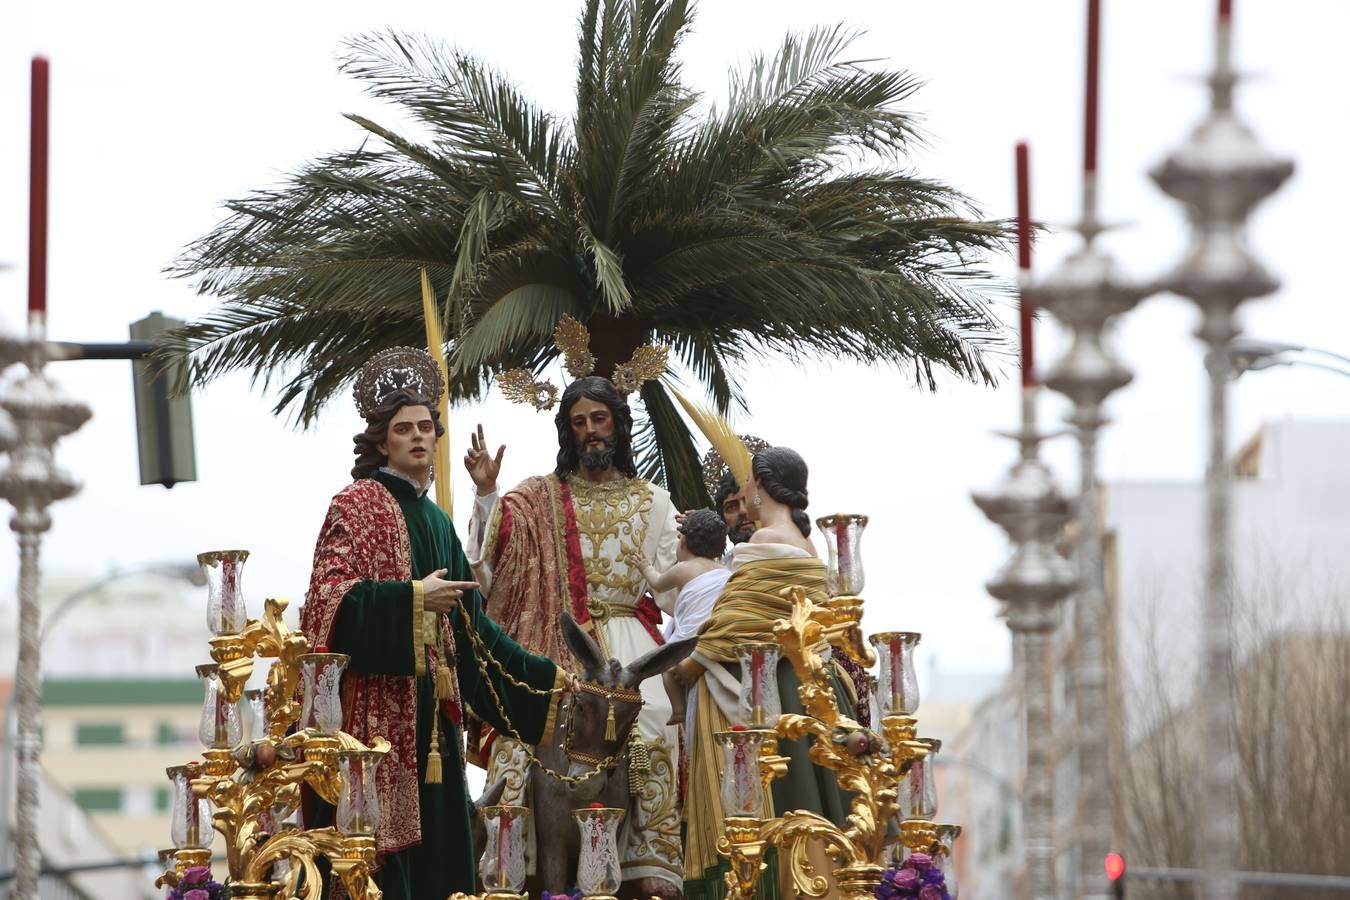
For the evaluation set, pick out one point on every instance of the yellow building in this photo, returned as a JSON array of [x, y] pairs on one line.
[[107, 742]]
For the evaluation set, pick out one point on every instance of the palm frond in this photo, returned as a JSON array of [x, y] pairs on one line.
[[785, 225], [721, 436], [477, 115]]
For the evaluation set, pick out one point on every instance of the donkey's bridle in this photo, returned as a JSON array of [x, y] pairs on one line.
[[611, 696]]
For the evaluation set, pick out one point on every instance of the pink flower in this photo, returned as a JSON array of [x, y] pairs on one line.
[[927, 892], [921, 861], [906, 879], [197, 875], [199, 894]]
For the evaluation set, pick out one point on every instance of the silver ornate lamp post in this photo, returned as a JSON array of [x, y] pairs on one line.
[[1031, 509], [1086, 293], [31, 482], [1029, 506], [1220, 173]]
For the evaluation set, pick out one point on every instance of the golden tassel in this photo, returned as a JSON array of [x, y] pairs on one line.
[[611, 732], [434, 755], [445, 682], [639, 763]]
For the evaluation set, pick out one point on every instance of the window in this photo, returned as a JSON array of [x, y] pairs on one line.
[[166, 733], [99, 799], [93, 734], [163, 799]]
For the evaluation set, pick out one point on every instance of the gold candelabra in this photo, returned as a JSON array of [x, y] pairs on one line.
[[253, 785], [868, 765]]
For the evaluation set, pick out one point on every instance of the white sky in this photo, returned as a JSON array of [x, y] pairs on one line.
[[162, 110]]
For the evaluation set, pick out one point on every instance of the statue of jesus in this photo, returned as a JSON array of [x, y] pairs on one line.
[[561, 543]]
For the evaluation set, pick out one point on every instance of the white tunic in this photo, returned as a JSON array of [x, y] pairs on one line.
[[614, 519], [695, 603]]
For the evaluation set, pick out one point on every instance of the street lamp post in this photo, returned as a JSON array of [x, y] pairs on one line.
[[1086, 293], [41, 414], [1220, 174], [31, 482], [1028, 505]]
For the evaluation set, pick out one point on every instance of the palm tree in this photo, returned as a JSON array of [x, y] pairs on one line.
[[784, 223]]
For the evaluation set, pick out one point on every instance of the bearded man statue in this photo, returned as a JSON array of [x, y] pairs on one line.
[[560, 543]]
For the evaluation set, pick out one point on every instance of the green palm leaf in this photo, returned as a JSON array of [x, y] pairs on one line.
[[786, 224]]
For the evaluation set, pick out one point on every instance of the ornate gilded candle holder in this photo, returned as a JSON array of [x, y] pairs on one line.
[[246, 788], [864, 764]]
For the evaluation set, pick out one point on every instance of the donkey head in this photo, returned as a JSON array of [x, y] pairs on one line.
[[604, 712]]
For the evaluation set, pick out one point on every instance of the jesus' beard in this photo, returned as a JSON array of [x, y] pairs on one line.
[[598, 459]]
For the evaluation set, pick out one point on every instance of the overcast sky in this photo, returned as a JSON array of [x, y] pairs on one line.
[[163, 110]]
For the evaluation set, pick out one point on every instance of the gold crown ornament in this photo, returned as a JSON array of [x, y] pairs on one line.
[[394, 369], [649, 362]]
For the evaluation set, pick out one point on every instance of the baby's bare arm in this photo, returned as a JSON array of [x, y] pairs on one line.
[[677, 576]]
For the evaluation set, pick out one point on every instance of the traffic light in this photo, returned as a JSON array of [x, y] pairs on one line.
[[163, 423], [1115, 871]]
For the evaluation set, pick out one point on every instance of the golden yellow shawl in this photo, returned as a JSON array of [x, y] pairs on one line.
[[749, 606]]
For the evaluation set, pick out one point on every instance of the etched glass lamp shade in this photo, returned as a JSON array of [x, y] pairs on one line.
[[946, 861], [917, 790], [598, 864], [742, 786], [358, 808], [252, 710], [759, 704], [844, 573], [898, 691], [221, 727], [321, 698], [190, 818], [225, 610], [502, 865]]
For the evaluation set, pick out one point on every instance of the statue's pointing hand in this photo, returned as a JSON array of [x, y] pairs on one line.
[[483, 467], [439, 595]]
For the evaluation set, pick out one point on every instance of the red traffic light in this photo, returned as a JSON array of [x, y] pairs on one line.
[[1115, 866]]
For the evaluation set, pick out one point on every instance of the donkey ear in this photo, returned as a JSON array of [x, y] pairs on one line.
[[583, 647], [657, 661], [492, 795]]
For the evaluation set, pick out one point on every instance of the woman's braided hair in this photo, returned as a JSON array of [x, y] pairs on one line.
[[781, 473]]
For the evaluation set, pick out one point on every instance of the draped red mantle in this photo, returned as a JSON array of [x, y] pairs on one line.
[[364, 537]]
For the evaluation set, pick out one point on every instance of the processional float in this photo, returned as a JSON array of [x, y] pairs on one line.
[[261, 747], [881, 762]]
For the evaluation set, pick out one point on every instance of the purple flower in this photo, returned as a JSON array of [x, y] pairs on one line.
[[197, 894], [907, 879], [197, 875], [934, 876], [921, 861], [930, 892]]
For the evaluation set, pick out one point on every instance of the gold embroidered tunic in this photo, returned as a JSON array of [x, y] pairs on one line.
[[551, 545]]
